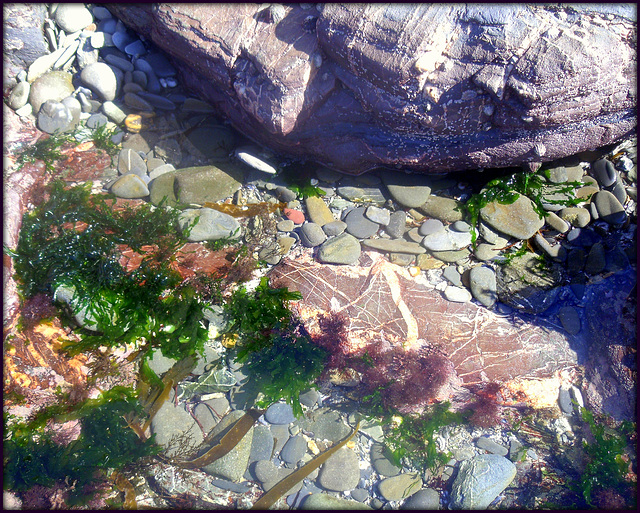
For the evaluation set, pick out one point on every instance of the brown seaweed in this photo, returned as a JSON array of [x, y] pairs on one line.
[[250, 210], [284, 485]]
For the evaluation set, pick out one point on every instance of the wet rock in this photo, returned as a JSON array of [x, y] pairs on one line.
[[397, 224], [457, 294], [604, 172], [157, 101], [232, 465], [102, 79], [444, 209], [480, 480], [378, 215], [318, 211], [324, 501], [518, 219], [279, 413], [399, 487], [358, 225], [490, 446], [381, 463], [608, 207], [54, 117], [570, 319], [325, 425], [334, 228], [596, 259], [362, 194], [447, 240], [209, 224], [136, 102], [343, 249], [203, 184], [172, 422], [341, 472], [19, 95], [425, 499], [73, 17], [394, 245], [312, 235], [576, 216], [293, 450], [130, 162], [410, 191]]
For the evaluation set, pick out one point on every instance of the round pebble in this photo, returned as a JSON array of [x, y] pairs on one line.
[[378, 215], [358, 225], [318, 211], [73, 17], [446, 240], [102, 79], [570, 319], [19, 95], [130, 186], [424, 499], [399, 487], [294, 215], [293, 450], [55, 85], [576, 216], [430, 226], [490, 446], [279, 413], [343, 249], [341, 472], [596, 259], [285, 226], [397, 224], [54, 117], [608, 207], [604, 172], [130, 162], [334, 228], [452, 275], [312, 235], [457, 294]]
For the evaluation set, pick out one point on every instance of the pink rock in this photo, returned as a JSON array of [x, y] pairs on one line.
[[294, 215]]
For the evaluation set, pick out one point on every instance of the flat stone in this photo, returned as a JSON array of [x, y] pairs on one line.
[[576, 216], [310, 397], [343, 249], [482, 282], [394, 245], [325, 425], [323, 501], [136, 102], [557, 174], [451, 256], [121, 39], [608, 207], [130, 186], [96, 120], [19, 95], [362, 194], [157, 101], [279, 413], [378, 215], [334, 228], [171, 422], [480, 480], [210, 225], [293, 450], [457, 294], [452, 275], [570, 319], [286, 195], [102, 79], [55, 85], [446, 240], [399, 487], [119, 62], [604, 172], [554, 250], [487, 252], [424, 499], [262, 444], [160, 363], [248, 155], [619, 191], [160, 64], [410, 191], [130, 162], [341, 472], [445, 209], [114, 112], [430, 226], [232, 465], [489, 445], [381, 463], [318, 211], [312, 235], [596, 259], [135, 49], [206, 183], [160, 170], [518, 219], [285, 226], [397, 224], [358, 225], [403, 259]]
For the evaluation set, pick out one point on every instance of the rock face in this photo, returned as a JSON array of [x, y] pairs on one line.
[[428, 87], [382, 302]]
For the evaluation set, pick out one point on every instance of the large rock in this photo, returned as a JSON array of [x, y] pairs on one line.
[[431, 87], [383, 303]]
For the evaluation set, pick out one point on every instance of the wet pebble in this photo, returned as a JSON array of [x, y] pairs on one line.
[[381, 463], [570, 319], [394, 246], [341, 472], [446, 240], [343, 249], [596, 259], [318, 211], [279, 413], [397, 224], [293, 450], [130, 162], [424, 499], [518, 219], [73, 17], [334, 228], [378, 215], [444, 209], [210, 224], [604, 172], [489, 445], [457, 294], [358, 225], [362, 194], [130, 186], [608, 208], [54, 117], [102, 79], [312, 235], [399, 487], [480, 480]]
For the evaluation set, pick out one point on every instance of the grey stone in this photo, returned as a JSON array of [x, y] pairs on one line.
[[556, 251], [293, 450], [160, 170], [75, 109], [119, 62], [73, 17], [378, 215], [557, 223], [457, 294], [557, 174], [570, 319], [446, 209], [403, 259], [135, 49], [619, 191], [446, 240], [360, 494], [358, 225], [460, 226], [424, 499], [131, 87], [161, 66], [616, 260], [604, 172], [101, 13], [140, 78], [134, 101], [487, 233], [249, 155], [518, 219], [130, 186], [121, 38], [608, 207], [576, 216], [452, 275], [286, 195], [480, 480], [19, 95], [312, 235], [323, 501], [96, 120], [114, 112], [204, 183], [210, 224], [362, 194], [399, 487], [430, 226], [489, 445], [157, 101], [334, 228], [102, 79], [318, 211], [556, 197], [262, 444], [596, 259], [130, 162], [325, 425], [576, 260], [381, 463], [285, 225], [486, 252], [410, 191], [341, 472], [343, 249], [279, 413], [153, 84], [310, 397], [55, 85], [172, 423], [397, 224], [160, 363], [574, 173], [451, 256], [232, 465], [54, 117], [564, 400], [394, 245]]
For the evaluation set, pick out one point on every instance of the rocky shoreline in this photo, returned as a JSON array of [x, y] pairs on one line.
[[517, 265]]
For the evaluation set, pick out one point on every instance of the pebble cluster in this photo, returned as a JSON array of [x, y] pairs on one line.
[[99, 73]]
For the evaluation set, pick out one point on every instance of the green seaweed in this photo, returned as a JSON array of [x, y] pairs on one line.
[[32, 457], [102, 138], [45, 149]]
